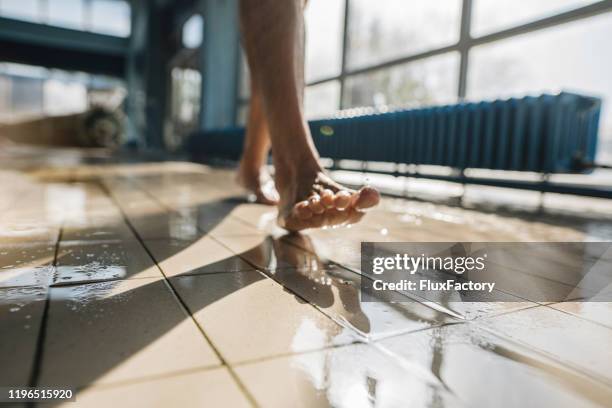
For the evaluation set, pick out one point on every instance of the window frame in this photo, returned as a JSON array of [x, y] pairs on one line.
[[463, 46]]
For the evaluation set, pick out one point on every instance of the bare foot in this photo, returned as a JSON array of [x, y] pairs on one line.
[[259, 183], [311, 199]]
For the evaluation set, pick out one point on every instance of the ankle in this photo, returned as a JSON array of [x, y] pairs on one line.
[[250, 165]]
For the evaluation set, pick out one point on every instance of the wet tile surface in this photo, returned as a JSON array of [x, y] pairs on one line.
[[598, 312], [515, 375], [352, 376], [244, 310], [124, 330], [579, 343], [23, 255], [21, 312], [265, 319], [204, 255], [26, 264], [90, 261], [336, 292], [211, 388]]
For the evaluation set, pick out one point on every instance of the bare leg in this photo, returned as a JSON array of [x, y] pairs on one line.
[[273, 33], [252, 173]]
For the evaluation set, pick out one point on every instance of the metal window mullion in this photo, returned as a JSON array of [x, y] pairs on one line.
[[87, 15], [43, 11], [344, 54], [464, 47]]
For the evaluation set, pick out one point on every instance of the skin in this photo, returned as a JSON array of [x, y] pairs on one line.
[[273, 38]]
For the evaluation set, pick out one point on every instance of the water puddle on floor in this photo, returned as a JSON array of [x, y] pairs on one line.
[[90, 272]]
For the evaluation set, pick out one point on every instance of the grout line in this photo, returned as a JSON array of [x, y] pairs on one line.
[[576, 316], [42, 331], [192, 274], [258, 360], [545, 354], [182, 304], [147, 378]]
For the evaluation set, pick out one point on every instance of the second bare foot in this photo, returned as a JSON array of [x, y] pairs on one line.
[[259, 183]]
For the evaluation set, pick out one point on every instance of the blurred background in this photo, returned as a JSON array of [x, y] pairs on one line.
[[174, 67]]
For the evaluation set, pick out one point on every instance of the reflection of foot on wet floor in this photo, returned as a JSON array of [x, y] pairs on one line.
[[322, 284]]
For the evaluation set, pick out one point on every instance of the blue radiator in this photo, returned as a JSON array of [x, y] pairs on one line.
[[545, 134]]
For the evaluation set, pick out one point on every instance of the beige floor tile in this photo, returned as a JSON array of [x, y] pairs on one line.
[[343, 377], [259, 250], [87, 261], [166, 225], [110, 332], [97, 229], [214, 217], [477, 310], [566, 338], [21, 255], [210, 388], [21, 311], [598, 312], [248, 316], [21, 232], [202, 256], [515, 376], [230, 226]]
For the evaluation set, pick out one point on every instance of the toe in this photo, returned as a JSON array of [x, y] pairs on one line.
[[315, 204], [342, 200], [302, 210], [327, 198], [367, 197]]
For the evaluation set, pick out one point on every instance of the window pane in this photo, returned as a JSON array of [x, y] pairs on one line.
[[242, 115], [66, 13], [324, 20], [388, 29], [321, 100], [495, 15], [193, 31], [64, 97], [245, 85], [110, 17], [27, 10], [429, 81], [536, 63]]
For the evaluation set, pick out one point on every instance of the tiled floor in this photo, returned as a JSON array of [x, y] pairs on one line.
[[158, 285]]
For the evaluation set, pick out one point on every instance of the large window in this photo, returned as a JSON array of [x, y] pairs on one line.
[[364, 53], [493, 15], [111, 17], [383, 30], [424, 82], [324, 39], [534, 63]]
